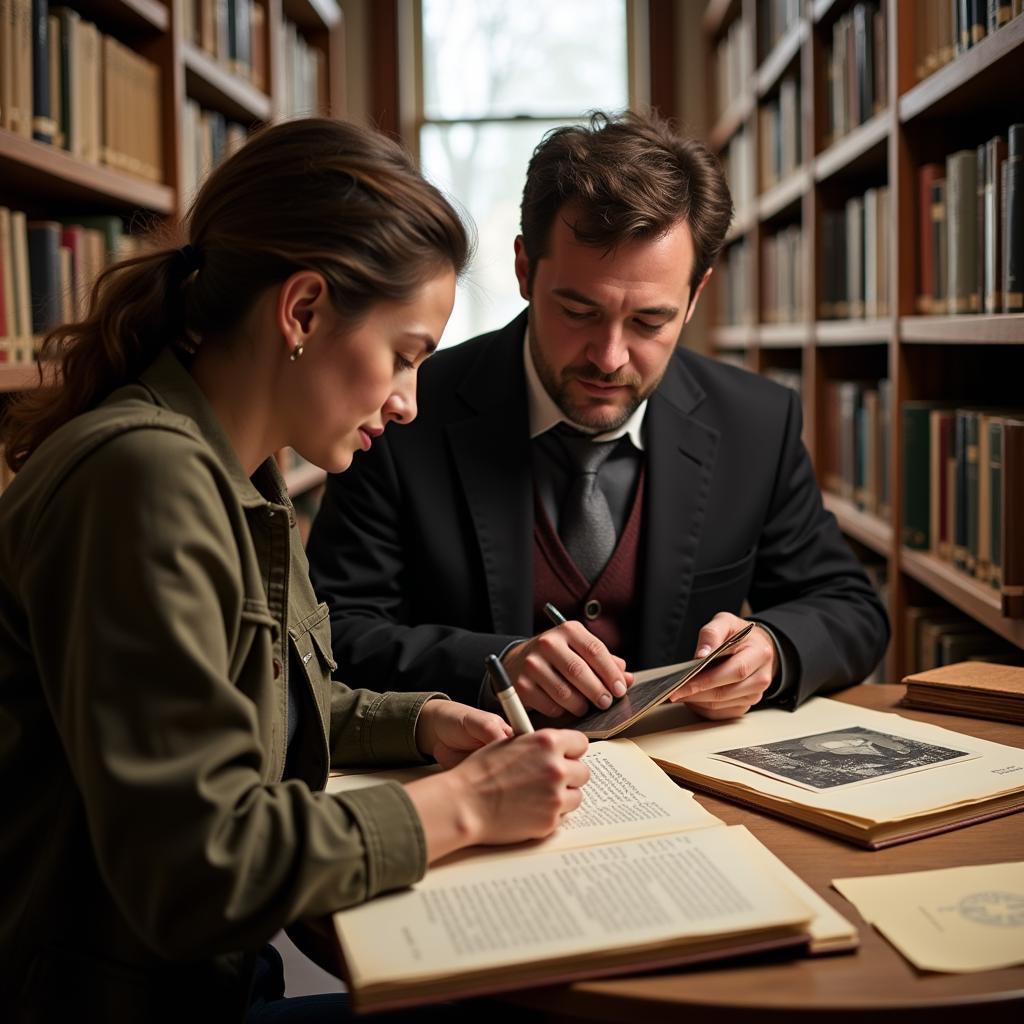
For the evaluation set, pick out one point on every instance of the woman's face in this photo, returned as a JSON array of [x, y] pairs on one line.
[[354, 380]]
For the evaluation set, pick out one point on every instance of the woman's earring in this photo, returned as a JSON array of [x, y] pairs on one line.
[[296, 353]]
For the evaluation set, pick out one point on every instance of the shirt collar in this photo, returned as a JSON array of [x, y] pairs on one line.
[[545, 414]]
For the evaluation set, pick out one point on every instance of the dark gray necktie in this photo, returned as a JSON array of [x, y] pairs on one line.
[[586, 525]]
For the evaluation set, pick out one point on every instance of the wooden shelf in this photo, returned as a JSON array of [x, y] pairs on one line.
[[214, 86], [1002, 329], [865, 144], [731, 120], [136, 15], [820, 9], [864, 527], [977, 599], [986, 67], [312, 14], [18, 377], [783, 335], [734, 336], [783, 54], [304, 478], [783, 195], [853, 332], [716, 14], [35, 168]]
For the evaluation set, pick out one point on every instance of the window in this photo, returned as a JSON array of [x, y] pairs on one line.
[[494, 76]]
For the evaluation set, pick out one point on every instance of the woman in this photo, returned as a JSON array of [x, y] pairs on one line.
[[167, 718]]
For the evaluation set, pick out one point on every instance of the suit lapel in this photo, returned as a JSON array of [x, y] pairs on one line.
[[491, 450], [680, 457]]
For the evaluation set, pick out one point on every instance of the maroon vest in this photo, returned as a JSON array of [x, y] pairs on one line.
[[607, 607]]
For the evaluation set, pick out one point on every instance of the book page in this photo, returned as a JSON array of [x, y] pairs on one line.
[[953, 919], [564, 903], [628, 796], [993, 769]]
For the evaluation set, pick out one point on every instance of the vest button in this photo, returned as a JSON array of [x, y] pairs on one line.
[[592, 609], [277, 669]]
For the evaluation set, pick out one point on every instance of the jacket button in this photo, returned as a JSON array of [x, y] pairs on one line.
[[592, 609], [277, 669]]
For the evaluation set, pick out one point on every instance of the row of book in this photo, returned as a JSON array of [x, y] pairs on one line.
[[734, 64], [943, 29], [855, 257], [207, 137], [855, 463], [233, 32], [733, 276], [963, 492], [782, 276], [971, 223], [47, 268], [67, 84], [303, 76], [937, 635], [856, 80], [779, 130]]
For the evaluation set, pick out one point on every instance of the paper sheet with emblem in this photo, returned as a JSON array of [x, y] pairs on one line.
[[954, 920]]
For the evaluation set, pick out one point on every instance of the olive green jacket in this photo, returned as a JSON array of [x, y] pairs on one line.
[[152, 597]]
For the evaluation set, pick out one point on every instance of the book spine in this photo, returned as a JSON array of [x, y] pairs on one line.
[[44, 275], [1012, 587], [862, 39], [884, 451], [961, 174], [971, 490], [916, 472], [980, 246], [1013, 223], [996, 156], [995, 486], [926, 177], [983, 566], [42, 122], [960, 506], [979, 21], [939, 237]]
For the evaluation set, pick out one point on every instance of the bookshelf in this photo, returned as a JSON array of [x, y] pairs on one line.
[[271, 59], [901, 123]]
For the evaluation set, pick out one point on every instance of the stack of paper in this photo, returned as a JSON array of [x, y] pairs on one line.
[[978, 688]]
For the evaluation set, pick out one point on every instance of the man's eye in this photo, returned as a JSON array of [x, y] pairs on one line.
[[649, 328], [573, 314], [401, 363]]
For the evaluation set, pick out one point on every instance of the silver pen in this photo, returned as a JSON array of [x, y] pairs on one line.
[[506, 693]]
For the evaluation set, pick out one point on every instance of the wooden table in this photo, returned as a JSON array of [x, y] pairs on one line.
[[873, 984]]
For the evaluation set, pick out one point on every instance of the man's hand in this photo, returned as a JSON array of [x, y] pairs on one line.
[[566, 669], [734, 685], [448, 732]]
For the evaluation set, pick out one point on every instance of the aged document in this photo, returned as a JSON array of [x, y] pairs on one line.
[[869, 776], [953, 919]]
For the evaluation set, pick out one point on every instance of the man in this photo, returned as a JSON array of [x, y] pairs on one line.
[[579, 456]]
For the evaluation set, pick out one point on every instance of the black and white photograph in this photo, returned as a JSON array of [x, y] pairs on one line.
[[841, 757]]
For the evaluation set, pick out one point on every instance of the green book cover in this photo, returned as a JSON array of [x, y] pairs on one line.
[[995, 471], [916, 474]]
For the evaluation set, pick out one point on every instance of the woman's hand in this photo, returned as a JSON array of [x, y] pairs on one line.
[[507, 792], [448, 732]]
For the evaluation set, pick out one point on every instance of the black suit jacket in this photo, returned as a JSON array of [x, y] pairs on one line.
[[424, 548]]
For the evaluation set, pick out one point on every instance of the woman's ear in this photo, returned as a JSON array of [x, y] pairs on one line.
[[300, 307]]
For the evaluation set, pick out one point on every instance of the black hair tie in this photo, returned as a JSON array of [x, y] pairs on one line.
[[186, 261]]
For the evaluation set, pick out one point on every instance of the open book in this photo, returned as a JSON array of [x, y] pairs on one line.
[[870, 777], [639, 876], [650, 688]]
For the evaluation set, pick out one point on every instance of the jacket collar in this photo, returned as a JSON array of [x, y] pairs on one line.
[[173, 388]]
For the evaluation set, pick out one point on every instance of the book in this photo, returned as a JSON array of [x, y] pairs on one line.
[[962, 219], [650, 688], [872, 778], [639, 876], [1013, 222], [976, 688], [1011, 536]]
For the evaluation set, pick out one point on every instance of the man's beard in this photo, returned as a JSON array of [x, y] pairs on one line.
[[601, 419]]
